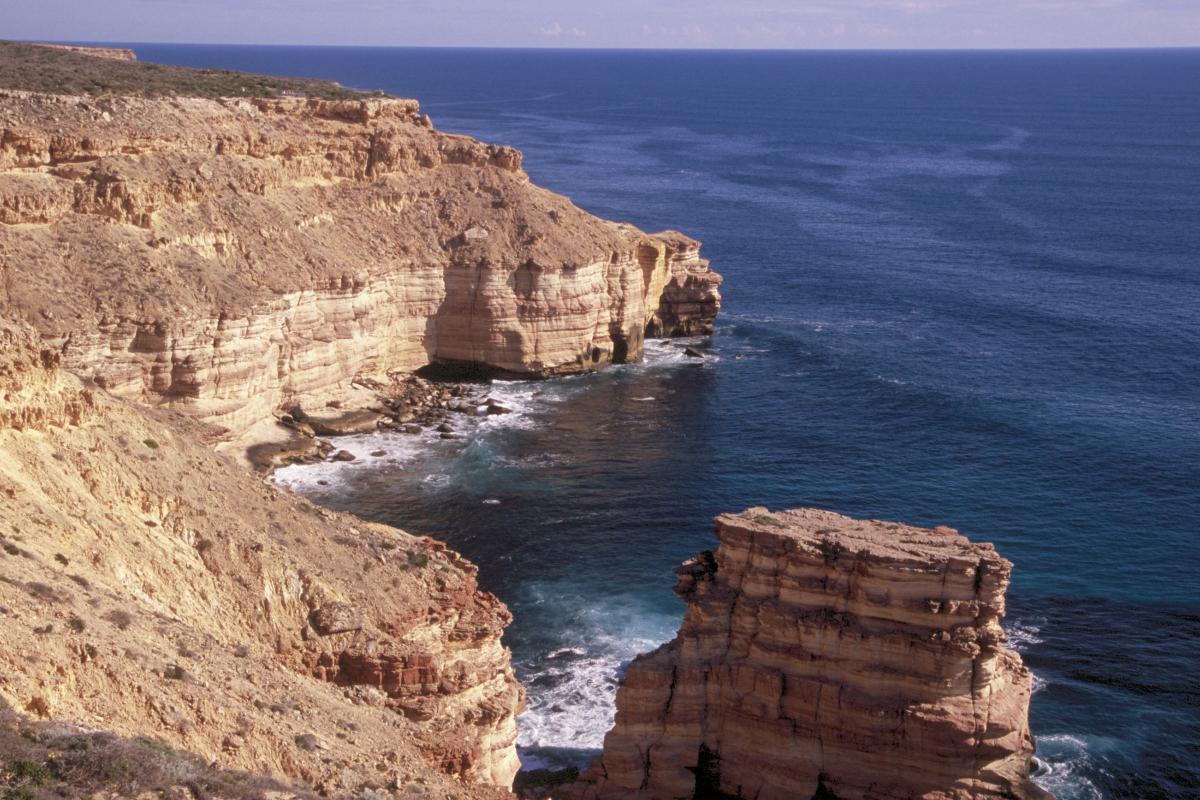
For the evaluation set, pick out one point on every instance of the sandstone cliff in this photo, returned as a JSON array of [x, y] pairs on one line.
[[152, 588], [822, 657], [226, 257]]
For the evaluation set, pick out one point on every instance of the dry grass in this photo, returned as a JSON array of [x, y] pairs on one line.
[[43, 760]]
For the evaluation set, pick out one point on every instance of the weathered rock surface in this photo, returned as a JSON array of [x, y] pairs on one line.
[[823, 656], [152, 588], [228, 258]]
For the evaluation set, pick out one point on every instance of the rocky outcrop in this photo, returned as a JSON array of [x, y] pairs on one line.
[[689, 298], [152, 588], [229, 257], [821, 657], [33, 395]]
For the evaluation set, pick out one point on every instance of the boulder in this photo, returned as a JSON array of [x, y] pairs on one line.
[[336, 618]]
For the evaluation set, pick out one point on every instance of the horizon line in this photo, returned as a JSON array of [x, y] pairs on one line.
[[1079, 49]]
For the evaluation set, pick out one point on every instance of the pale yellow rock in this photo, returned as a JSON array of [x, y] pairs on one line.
[[152, 588], [228, 257]]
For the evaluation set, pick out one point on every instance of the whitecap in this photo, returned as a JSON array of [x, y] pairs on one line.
[[436, 480], [398, 449], [657, 354], [1061, 765], [1023, 634], [572, 688], [523, 400], [670, 353]]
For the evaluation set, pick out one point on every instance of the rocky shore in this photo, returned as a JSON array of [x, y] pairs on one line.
[[399, 402]]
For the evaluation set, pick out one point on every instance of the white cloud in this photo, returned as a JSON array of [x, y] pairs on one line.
[[556, 29]]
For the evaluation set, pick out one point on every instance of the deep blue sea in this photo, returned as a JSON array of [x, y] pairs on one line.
[[961, 288]]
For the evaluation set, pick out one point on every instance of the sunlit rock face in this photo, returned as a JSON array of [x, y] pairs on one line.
[[823, 656], [153, 588], [227, 257]]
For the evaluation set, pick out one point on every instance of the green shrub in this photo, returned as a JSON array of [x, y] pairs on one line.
[[41, 69], [120, 618], [31, 773], [42, 591], [175, 673]]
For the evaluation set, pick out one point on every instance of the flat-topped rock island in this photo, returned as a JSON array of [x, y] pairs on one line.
[[823, 656]]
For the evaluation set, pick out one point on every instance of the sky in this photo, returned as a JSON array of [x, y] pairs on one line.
[[616, 23]]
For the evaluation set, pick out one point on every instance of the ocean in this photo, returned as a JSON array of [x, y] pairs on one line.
[[961, 288]]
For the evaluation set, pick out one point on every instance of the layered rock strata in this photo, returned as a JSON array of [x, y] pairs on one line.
[[822, 656], [152, 588], [231, 257]]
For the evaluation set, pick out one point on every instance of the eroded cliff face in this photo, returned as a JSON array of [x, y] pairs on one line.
[[823, 656], [151, 587], [227, 257]]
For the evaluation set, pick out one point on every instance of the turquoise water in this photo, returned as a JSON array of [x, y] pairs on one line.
[[961, 289]]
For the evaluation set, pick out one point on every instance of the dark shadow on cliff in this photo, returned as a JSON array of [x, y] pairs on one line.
[[454, 371], [540, 783], [823, 792], [465, 372]]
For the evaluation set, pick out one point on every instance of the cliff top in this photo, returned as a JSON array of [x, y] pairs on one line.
[[118, 53], [156, 208], [929, 549], [62, 70]]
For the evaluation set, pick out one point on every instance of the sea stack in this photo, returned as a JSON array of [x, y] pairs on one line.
[[823, 656]]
